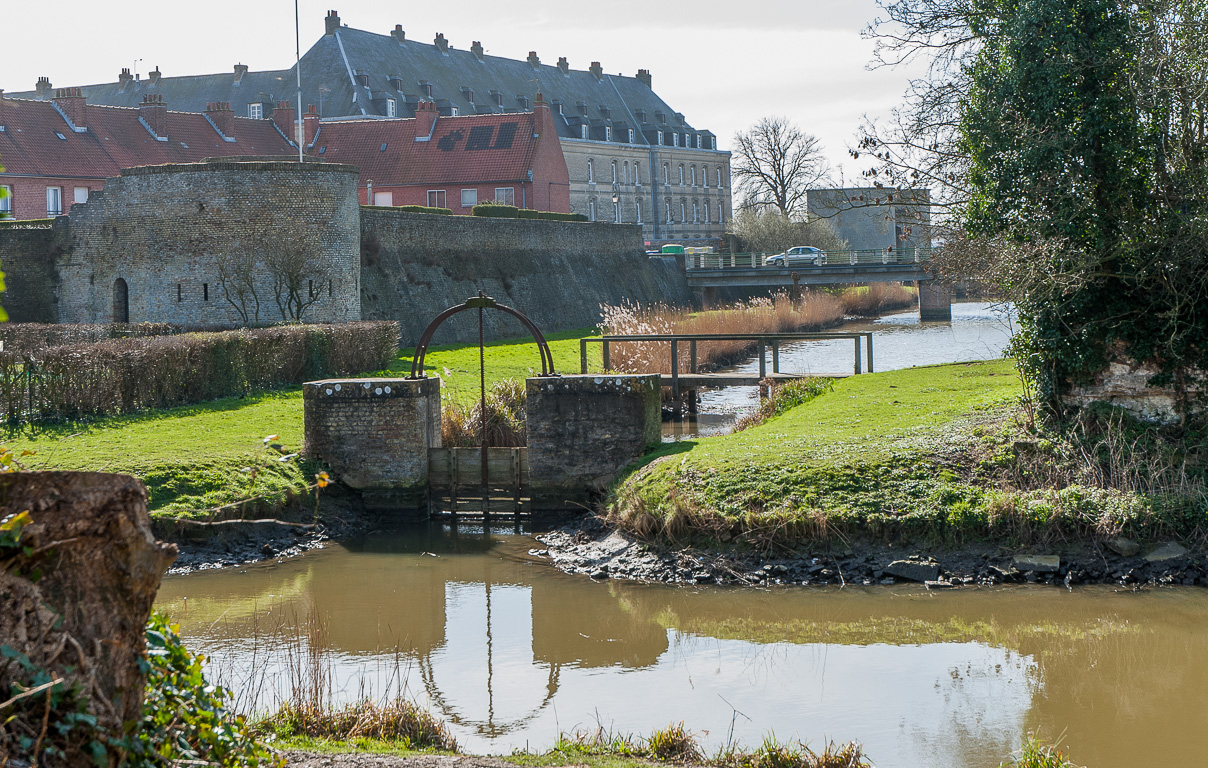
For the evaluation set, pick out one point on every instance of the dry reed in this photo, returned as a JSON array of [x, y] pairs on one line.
[[875, 299], [460, 425], [777, 314]]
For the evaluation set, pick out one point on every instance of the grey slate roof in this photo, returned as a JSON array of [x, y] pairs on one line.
[[497, 84]]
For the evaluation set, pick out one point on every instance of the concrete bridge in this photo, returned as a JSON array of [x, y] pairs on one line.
[[708, 272]]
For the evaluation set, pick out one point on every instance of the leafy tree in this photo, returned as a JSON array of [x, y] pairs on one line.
[[774, 164]]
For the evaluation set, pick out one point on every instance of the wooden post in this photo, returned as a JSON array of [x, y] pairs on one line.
[[775, 356], [763, 363], [582, 355], [856, 339], [604, 357], [675, 389], [868, 338], [692, 355]]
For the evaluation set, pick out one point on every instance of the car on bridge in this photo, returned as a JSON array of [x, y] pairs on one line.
[[799, 254]]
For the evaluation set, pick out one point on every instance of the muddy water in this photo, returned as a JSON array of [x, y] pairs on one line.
[[977, 331], [511, 652]]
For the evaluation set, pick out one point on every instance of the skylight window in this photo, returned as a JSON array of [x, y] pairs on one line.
[[61, 136], [322, 150], [186, 146], [382, 148]]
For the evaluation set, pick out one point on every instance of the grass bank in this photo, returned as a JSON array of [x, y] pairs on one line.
[[941, 454], [193, 458]]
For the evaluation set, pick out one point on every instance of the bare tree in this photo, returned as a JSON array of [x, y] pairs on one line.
[[299, 278], [775, 162], [237, 279]]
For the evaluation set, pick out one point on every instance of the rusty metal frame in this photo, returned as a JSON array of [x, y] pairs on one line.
[[480, 302]]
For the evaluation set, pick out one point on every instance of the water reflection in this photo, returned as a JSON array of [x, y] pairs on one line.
[[512, 652]]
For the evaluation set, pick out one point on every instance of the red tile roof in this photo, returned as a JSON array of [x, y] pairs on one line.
[[30, 144], [462, 150]]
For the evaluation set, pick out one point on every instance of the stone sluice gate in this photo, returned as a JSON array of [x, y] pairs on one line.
[[382, 437]]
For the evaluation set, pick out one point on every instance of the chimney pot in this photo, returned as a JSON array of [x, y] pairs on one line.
[[154, 113], [71, 104], [441, 43], [533, 61], [644, 77], [398, 34], [332, 22], [563, 65], [596, 70], [43, 87], [476, 49], [222, 117]]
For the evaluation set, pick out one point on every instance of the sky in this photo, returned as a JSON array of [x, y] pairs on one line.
[[724, 65]]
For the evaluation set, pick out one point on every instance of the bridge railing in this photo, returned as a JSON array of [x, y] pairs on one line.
[[833, 258], [763, 341]]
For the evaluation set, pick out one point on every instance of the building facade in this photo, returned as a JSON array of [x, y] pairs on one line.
[[872, 218], [352, 74]]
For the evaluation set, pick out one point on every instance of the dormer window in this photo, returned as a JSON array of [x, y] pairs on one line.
[[497, 97], [660, 137], [468, 93], [661, 117], [426, 89], [391, 108], [675, 142], [640, 115], [608, 133], [523, 101], [630, 135], [255, 111], [582, 105], [583, 131], [605, 112]]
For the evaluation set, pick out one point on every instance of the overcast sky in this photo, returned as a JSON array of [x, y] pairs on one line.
[[723, 64]]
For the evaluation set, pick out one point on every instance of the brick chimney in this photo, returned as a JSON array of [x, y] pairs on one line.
[[154, 114], [124, 79], [240, 71], [222, 118], [563, 65], [476, 49], [441, 43], [43, 87], [398, 34], [71, 105], [283, 118], [332, 21], [533, 61], [153, 76], [310, 124], [425, 120], [644, 77], [596, 70]]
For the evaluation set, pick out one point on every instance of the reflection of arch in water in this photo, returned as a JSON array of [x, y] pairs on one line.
[[490, 727], [121, 301]]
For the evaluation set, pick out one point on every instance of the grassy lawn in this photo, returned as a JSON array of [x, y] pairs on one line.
[[898, 454], [191, 457]]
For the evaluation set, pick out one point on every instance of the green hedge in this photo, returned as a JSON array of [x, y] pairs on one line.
[[20, 223], [412, 209], [133, 374], [497, 211]]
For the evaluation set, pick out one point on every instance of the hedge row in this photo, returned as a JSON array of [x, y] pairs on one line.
[[496, 211], [29, 337], [412, 209], [132, 374]]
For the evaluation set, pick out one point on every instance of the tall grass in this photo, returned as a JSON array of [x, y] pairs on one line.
[[815, 310], [876, 298], [460, 424]]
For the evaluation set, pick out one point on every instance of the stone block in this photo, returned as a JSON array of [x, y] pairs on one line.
[[914, 570], [374, 434], [1037, 563], [1168, 551], [583, 429]]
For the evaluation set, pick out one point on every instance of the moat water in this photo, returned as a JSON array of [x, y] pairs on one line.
[[511, 652]]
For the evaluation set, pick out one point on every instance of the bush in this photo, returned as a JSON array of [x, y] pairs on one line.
[[551, 216], [132, 374], [426, 209], [495, 210]]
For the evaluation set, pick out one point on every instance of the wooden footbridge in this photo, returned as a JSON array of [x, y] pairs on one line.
[[691, 380]]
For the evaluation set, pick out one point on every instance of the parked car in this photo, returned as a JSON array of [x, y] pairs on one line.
[[800, 254]]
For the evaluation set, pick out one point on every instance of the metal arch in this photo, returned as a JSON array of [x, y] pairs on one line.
[[481, 301]]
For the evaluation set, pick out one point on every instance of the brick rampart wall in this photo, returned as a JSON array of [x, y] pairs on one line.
[[28, 258], [558, 273]]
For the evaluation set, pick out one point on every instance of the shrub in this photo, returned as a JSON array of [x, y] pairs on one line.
[[551, 216], [397, 720], [495, 210], [132, 374], [426, 209], [506, 401]]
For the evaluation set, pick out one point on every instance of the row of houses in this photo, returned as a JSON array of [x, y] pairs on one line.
[[427, 123]]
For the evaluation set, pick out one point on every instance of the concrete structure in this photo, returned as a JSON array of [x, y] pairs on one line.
[[583, 429], [375, 435], [870, 218], [601, 118], [167, 244]]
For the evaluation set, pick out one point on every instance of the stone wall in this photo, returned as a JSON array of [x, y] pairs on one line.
[[28, 259], [160, 235], [416, 265], [1127, 386], [375, 435]]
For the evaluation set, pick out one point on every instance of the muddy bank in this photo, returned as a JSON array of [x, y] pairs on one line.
[[295, 759], [598, 551], [219, 544]]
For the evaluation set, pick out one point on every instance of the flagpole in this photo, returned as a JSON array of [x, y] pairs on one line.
[[301, 134]]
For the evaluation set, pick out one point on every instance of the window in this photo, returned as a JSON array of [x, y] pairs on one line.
[[706, 211], [614, 171], [637, 174], [681, 174], [694, 175], [591, 171], [630, 135], [666, 173], [583, 131], [436, 198], [637, 211], [205, 291], [79, 195], [384, 199], [683, 212], [669, 219], [591, 209], [505, 195], [54, 201], [390, 107], [675, 139], [469, 198], [608, 133], [6, 199], [616, 213], [454, 111], [659, 134], [695, 213], [721, 214], [426, 88], [255, 111], [180, 292], [719, 178], [704, 176], [626, 179]]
